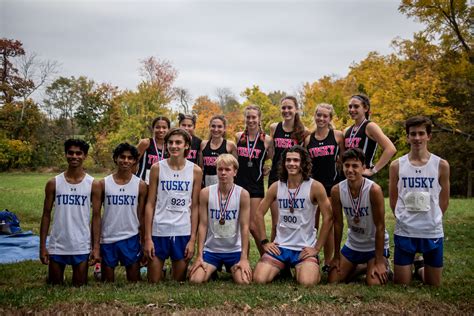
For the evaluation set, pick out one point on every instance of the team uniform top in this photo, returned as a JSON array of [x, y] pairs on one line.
[[281, 141], [120, 219], [251, 177], [209, 157], [70, 234], [361, 234], [151, 155], [173, 201], [193, 154], [296, 230], [323, 155], [417, 211], [223, 238], [362, 141]]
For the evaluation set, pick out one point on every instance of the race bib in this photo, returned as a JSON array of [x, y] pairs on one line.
[[177, 202], [290, 220], [417, 201], [227, 230]]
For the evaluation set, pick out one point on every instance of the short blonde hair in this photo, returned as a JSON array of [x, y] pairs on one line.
[[228, 160]]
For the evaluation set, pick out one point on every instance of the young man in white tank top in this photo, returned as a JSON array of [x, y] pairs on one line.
[[295, 244], [123, 196], [223, 233], [70, 238], [171, 211], [419, 198], [362, 202]]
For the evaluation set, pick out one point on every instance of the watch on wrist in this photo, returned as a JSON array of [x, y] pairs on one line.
[[264, 241]]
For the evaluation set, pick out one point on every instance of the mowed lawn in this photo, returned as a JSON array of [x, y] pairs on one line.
[[23, 288]]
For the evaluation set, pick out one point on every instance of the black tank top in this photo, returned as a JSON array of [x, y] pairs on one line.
[[193, 154], [323, 155], [150, 156], [209, 157], [362, 141], [281, 141], [250, 176]]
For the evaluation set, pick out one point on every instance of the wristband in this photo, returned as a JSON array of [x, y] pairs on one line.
[[264, 241]]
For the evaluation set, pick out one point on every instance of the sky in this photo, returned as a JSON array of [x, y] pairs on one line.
[[278, 45]]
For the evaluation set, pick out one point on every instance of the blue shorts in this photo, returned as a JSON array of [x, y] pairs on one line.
[[126, 251], [170, 246], [358, 257], [407, 247], [219, 259], [72, 260], [287, 257]]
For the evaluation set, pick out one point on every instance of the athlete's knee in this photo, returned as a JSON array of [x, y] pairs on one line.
[[259, 278], [196, 279]]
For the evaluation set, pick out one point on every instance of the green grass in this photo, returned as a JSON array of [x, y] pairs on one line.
[[23, 287]]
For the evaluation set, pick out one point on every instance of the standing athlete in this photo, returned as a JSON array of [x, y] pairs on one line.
[[223, 238], [153, 149], [70, 238], [188, 123], [123, 195], [171, 211], [295, 244], [253, 148], [419, 197], [362, 202]]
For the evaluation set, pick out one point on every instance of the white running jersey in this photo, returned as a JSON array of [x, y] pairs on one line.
[[417, 211], [223, 238], [361, 234], [120, 219], [173, 201], [296, 230], [70, 234]]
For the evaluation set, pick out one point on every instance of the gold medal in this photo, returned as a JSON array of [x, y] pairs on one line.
[[222, 221], [356, 219]]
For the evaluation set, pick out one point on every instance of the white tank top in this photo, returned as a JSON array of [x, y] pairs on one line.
[[223, 238], [120, 219], [296, 230], [70, 234], [361, 232], [173, 201], [417, 211]]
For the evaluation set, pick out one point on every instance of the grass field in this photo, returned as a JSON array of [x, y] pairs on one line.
[[23, 288]]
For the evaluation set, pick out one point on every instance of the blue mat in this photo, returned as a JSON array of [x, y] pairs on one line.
[[19, 247]]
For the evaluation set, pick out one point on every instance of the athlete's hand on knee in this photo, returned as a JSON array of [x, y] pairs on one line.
[[94, 257], [380, 272], [244, 266], [272, 248], [189, 251], [199, 263], [44, 256], [335, 264], [308, 252], [149, 249]]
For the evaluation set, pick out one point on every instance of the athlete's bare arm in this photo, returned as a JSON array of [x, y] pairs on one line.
[[189, 251], [375, 132], [338, 224], [200, 161], [142, 146], [49, 193], [231, 148], [340, 141], [148, 247], [142, 195], [270, 196], [97, 197], [378, 214], [444, 183], [202, 230], [393, 184], [244, 221]]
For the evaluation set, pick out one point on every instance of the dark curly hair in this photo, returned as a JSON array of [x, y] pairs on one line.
[[121, 148], [305, 165], [78, 143]]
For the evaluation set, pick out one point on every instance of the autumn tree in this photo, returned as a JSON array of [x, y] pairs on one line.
[[270, 111], [205, 109]]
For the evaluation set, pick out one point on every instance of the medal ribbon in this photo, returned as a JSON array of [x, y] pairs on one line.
[[223, 206], [158, 152], [253, 147], [356, 206], [354, 132], [292, 199]]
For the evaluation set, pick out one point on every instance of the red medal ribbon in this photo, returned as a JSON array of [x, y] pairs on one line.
[[356, 206], [292, 198]]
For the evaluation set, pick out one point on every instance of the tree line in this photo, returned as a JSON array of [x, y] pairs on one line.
[[430, 74]]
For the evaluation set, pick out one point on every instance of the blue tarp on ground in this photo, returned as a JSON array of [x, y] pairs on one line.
[[19, 247]]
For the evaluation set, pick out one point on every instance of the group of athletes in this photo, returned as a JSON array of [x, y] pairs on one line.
[[173, 192]]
